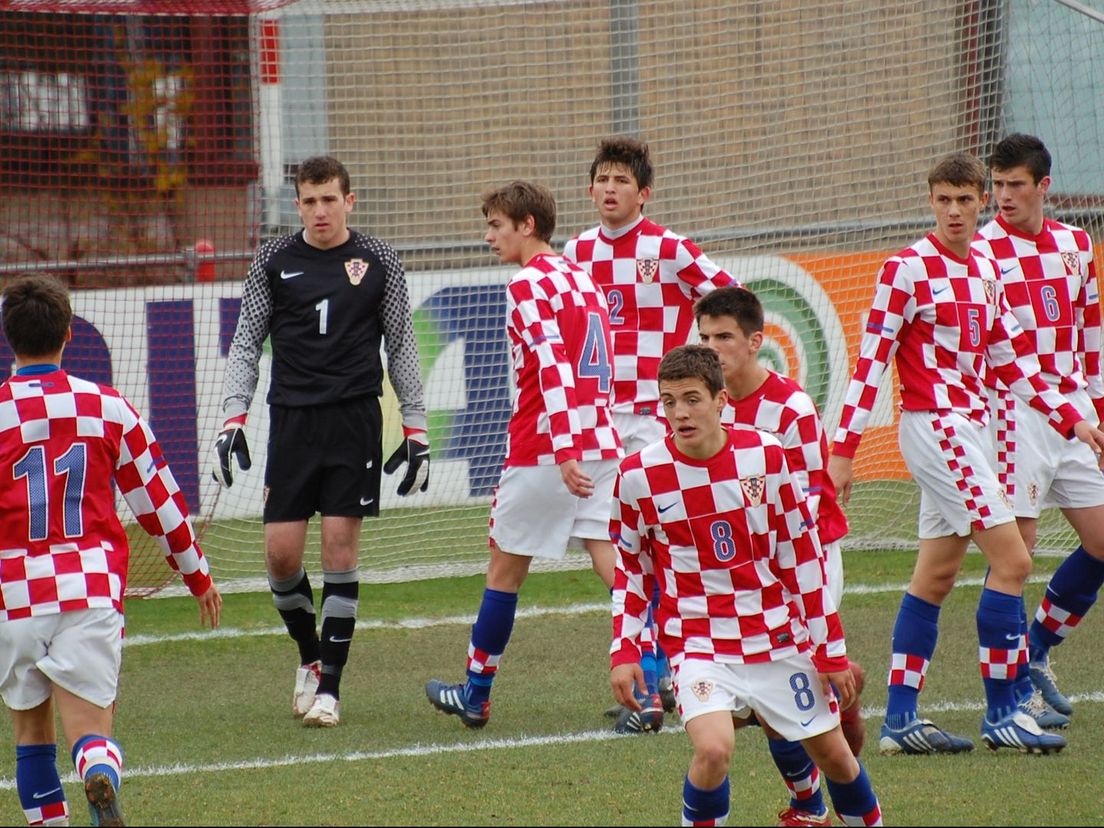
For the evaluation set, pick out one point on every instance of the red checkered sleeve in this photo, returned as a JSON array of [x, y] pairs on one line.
[[150, 490], [532, 321], [799, 564], [632, 574], [1088, 317], [891, 310], [1010, 355], [698, 273], [781, 407], [806, 447]]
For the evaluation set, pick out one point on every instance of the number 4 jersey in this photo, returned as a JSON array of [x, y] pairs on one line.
[[559, 332], [62, 547]]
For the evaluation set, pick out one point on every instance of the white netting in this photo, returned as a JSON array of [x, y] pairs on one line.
[[146, 154]]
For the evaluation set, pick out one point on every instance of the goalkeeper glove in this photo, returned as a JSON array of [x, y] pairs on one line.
[[230, 443], [414, 451]]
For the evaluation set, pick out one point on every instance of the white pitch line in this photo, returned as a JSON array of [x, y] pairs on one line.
[[492, 744], [471, 747], [365, 624], [360, 755], [445, 621]]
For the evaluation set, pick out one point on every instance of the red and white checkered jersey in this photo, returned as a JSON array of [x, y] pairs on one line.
[[944, 319], [1050, 285], [559, 332], [741, 576], [651, 277], [62, 546], [781, 407]]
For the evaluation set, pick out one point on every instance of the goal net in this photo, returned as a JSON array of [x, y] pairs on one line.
[[148, 146]]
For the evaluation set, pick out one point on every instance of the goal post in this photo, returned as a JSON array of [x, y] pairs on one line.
[[147, 148]]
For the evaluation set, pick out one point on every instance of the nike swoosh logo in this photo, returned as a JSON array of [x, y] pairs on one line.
[[662, 509], [937, 292], [422, 453], [807, 722], [365, 501], [339, 640], [1005, 270], [44, 795], [286, 275], [1010, 637]]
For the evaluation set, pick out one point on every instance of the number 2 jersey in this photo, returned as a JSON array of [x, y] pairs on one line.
[[559, 334], [651, 277], [62, 546], [741, 576]]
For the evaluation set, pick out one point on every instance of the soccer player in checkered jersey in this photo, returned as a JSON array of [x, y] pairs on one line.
[[716, 518], [1049, 279], [65, 444], [939, 309], [730, 322], [327, 298], [651, 277], [561, 446]]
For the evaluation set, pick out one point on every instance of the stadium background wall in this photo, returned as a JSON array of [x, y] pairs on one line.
[[148, 343], [791, 141]]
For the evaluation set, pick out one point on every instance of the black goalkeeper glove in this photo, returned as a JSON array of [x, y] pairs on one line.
[[414, 451], [230, 443]]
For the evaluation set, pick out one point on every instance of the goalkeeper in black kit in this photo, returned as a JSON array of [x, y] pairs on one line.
[[328, 297]]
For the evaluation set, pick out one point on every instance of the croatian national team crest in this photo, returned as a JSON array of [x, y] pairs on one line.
[[702, 689], [1033, 493], [647, 270], [1072, 261], [753, 489], [356, 268], [990, 286]]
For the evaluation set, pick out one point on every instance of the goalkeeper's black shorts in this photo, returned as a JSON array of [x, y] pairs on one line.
[[324, 459]]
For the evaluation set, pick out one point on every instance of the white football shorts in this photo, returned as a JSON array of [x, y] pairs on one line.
[[951, 458], [638, 430], [786, 694], [80, 651], [534, 515], [1048, 469]]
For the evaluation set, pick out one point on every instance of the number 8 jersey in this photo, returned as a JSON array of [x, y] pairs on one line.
[[730, 541], [559, 332]]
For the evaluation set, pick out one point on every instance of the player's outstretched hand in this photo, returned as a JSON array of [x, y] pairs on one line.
[[210, 606], [230, 443], [623, 678], [1092, 437], [841, 470], [414, 451], [578, 482]]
